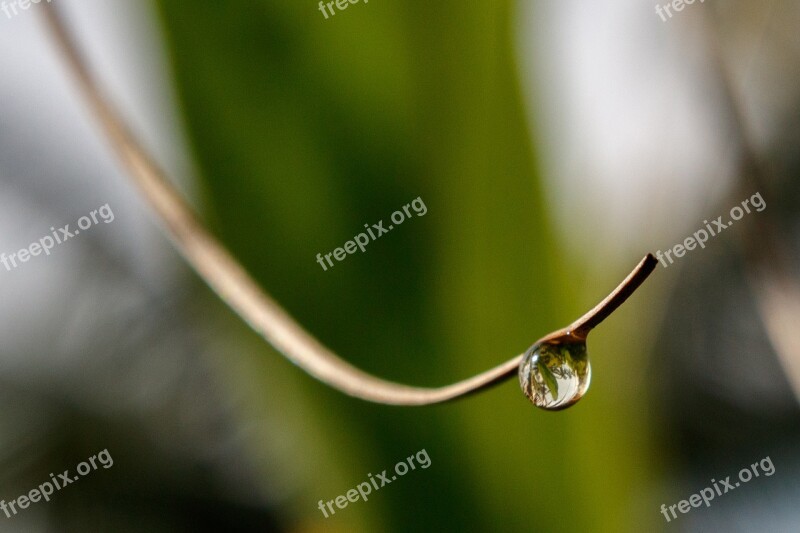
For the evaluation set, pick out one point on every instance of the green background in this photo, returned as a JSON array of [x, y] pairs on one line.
[[303, 130]]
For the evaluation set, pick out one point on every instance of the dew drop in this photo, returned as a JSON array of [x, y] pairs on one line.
[[555, 374]]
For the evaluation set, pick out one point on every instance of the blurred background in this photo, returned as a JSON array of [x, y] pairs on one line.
[[554, 144]]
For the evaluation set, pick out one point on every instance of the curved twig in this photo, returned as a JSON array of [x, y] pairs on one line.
[[581, 327], [217, 267]]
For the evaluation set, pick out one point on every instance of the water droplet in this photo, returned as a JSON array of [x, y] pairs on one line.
[[555, 374]]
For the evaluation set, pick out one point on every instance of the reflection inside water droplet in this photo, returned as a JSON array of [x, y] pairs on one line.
[[554, 375]]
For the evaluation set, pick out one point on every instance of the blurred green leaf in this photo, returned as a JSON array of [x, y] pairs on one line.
[[304, 130]]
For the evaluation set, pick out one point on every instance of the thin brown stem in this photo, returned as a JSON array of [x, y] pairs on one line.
[[223, 274], [581, 327]]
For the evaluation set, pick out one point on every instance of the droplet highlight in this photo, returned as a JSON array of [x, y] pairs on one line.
[[555, 374]]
